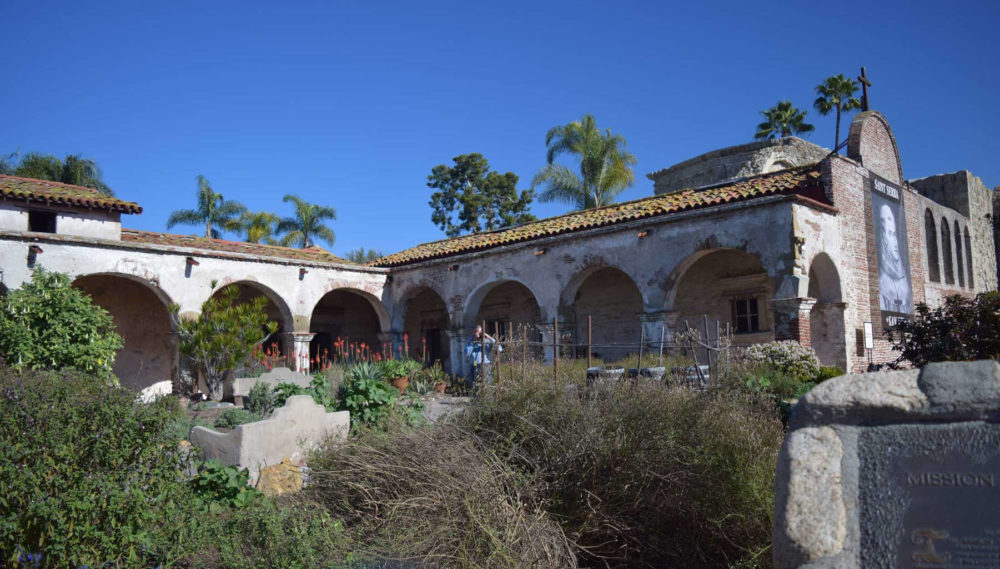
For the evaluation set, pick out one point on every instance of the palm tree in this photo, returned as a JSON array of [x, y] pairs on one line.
[[306, 224], [213, 210], [605, 165], [783, 120], [837, 93], [257, 226], [74, 170]]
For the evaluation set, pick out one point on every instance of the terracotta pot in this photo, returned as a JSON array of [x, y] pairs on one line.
[[400, 383], [440, 386]]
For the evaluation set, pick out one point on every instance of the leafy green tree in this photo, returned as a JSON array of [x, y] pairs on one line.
[[361, 256], [223, 335], [307, 223], [605, 165], [213, 210], [836, 93], [49, 324], [961, 329], [256, 226], [471, 198], [73, 170], [783, 119]]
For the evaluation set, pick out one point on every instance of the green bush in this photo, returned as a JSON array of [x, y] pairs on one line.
[[363, 370], [370, 401], [791, 357], [284, 390], [828, 372], [49, 324], [87, 475], [218, 486], [284, 534], [232, 418], [260, 400], [961, 329], [640, 474], [179, 428]]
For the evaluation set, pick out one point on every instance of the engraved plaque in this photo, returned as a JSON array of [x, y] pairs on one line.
[[930, 496]]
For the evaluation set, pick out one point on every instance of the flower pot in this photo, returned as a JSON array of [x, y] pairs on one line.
[[440, 386], [400, 383]]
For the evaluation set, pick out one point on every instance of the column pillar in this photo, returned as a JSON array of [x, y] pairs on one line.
[[654, 324], [456, 364], [299, 356], [791, 319], [547, 330]]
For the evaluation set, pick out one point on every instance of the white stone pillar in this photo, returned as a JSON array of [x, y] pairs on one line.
[[547, 331], [300, 350]]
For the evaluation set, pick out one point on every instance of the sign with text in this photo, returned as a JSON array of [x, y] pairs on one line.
[[894, 287]]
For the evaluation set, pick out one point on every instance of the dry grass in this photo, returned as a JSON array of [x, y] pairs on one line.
[[438, 497]]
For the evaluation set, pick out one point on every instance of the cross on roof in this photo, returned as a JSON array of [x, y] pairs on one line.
[[865, 84]]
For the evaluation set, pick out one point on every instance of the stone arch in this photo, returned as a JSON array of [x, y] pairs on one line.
[[503, 301], [968, 258], [140, 310], [960, 260], [610, 297], [425, 325], [931, 245], [276, 308], [949, 272], [826, 317], [350, 314], [729, 286]]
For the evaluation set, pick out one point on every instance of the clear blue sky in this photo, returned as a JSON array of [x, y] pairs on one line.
[[351, 104]]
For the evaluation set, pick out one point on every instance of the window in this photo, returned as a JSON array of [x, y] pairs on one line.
[[958, 255], [745, 316], [930, 233], [949, 274], [42, 221], [968, 258]]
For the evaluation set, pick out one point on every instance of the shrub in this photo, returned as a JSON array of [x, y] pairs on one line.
[[232, 418], [398, 368], [828, 372], [223, 335], [290, 533], [284, 390], [363, 370], [370, 401], [436, 496], [260, 400], [789, 356], [87, 475], [49, 324], [640, 474], [961, 329], [221, 486]]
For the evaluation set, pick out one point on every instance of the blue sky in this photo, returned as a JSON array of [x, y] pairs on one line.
[[352, 104]]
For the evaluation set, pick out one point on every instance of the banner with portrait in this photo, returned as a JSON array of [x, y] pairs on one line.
[[895, 290]]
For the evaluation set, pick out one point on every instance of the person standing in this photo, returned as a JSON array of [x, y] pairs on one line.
[[480, 362]]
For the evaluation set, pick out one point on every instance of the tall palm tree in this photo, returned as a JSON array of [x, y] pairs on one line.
[[783, 120], [837, 93], [213, 210], [306, 224], [605, 165], [256, 226]]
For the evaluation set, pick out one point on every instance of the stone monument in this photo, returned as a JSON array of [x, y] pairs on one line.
[[893, 469]]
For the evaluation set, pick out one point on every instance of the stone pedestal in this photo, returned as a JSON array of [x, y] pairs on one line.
[[791, 319], [299, 356]]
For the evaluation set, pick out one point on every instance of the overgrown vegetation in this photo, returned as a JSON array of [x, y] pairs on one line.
[[961, 329], [49, 324]]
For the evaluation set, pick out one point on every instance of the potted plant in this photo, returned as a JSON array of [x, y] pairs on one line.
[[398, 372], [437, 377]]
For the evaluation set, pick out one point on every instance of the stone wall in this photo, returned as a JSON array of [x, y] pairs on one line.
[[735, 162]]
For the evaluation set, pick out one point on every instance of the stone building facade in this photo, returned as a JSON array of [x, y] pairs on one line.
[[778, 240]]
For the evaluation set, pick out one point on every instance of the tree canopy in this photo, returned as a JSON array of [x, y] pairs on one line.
[[471, 198], [306, 224], [213, 210], [605, 165], [836, 93], [73, 169], [256, 227], [362, 256], [783, 119]]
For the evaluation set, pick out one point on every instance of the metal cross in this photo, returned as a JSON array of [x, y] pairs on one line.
[[865, 84]]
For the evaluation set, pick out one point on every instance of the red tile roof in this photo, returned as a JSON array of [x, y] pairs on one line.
[[802, 181], [314, 254], [56, 193]]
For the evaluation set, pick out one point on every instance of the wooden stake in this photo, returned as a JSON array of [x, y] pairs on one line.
[[482, 354], [663, 334], [590, 338], [496, 340], [708, 351], [642, 340], [524, 351]]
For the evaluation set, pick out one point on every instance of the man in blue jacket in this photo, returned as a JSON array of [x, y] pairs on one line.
[[480, 367]]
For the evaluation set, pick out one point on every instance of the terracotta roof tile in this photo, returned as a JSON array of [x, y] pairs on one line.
[[314, 254], [56, 193], [802, 180]]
